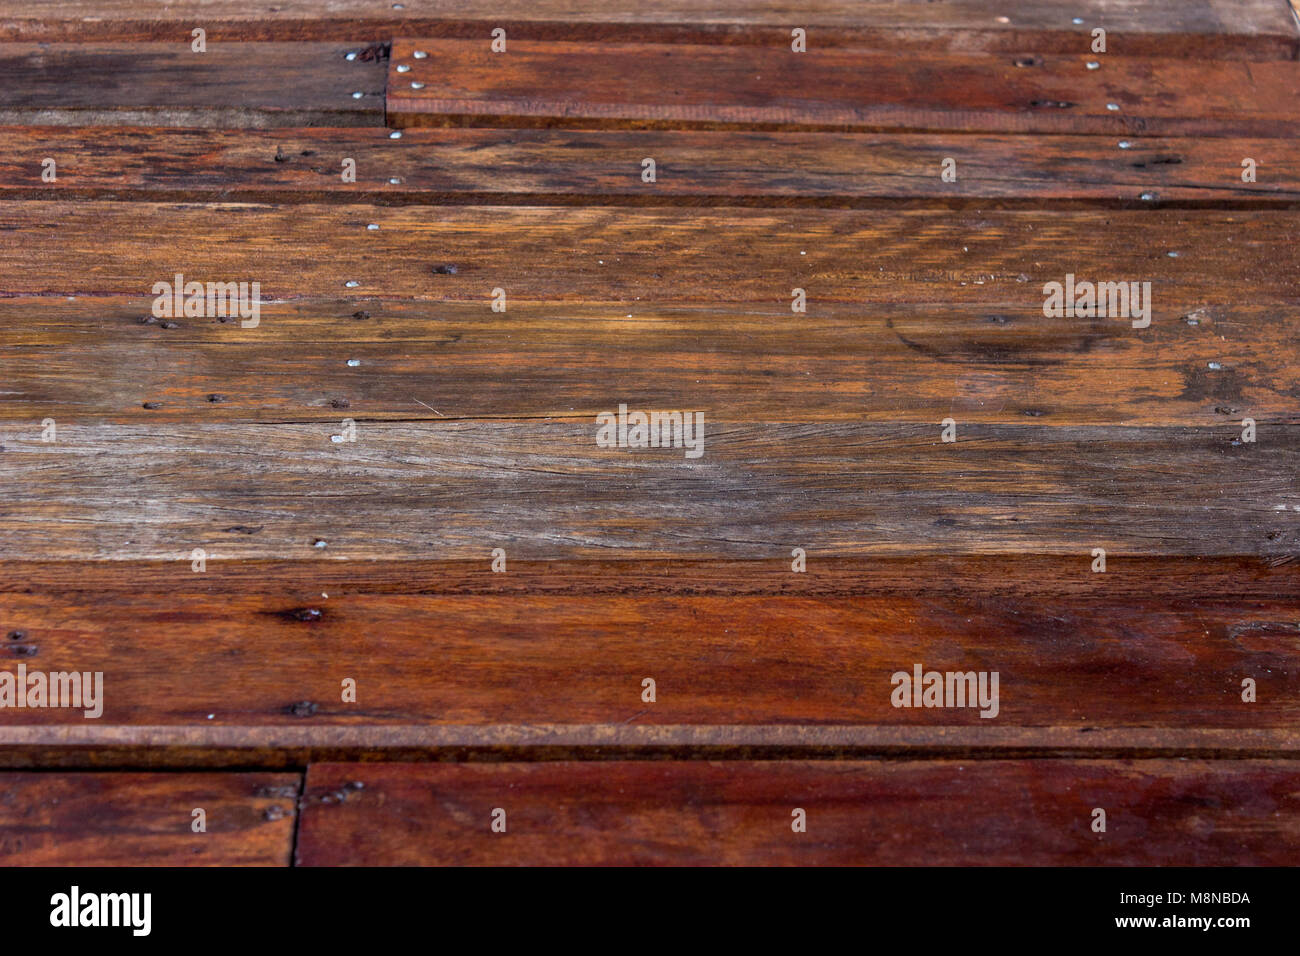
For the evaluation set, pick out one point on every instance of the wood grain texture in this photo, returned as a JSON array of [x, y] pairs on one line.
[[485, 662], [142, 819], [100, 359], [904, 813], [542, 83], [544, 490], [585, 167], [1021, 578], [167, 84], [635, 257], [1248, 29]]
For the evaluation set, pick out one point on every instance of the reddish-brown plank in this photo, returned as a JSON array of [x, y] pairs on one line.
[[582, 167], [544, 83], [885, 813], [147, 819], [1248, 29], [1172, 661]]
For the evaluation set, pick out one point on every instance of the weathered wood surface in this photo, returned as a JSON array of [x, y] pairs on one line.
[[587, 167], [1247, 29], [486, 661], [167, 84], [901, 813], [636, 257], [98, 359], [544, 490], [546, 83], [127, 440], [144, 819]]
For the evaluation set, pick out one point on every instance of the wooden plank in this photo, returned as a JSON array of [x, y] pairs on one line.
[[1248, 29], [657, 256], [1022, 577], [146, 819], [106, 359], [545, 83], [545, 490], [560, 166], [278, 746], [167, 84], [483, 662], [1009, 813]]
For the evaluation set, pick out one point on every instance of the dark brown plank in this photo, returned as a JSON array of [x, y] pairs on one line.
[[1248, 29], [167, 84], [559, 166], [545, 490], [100, 359], [1023, 578], [144, 819], [1011, 813], [543, 83]]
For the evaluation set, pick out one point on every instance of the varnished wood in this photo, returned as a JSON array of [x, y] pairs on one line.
[[860, 812], [479, 661], [142, 819], [538, 83]]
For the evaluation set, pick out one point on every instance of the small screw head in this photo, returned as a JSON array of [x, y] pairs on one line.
[[415, 85], [403, 68]]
